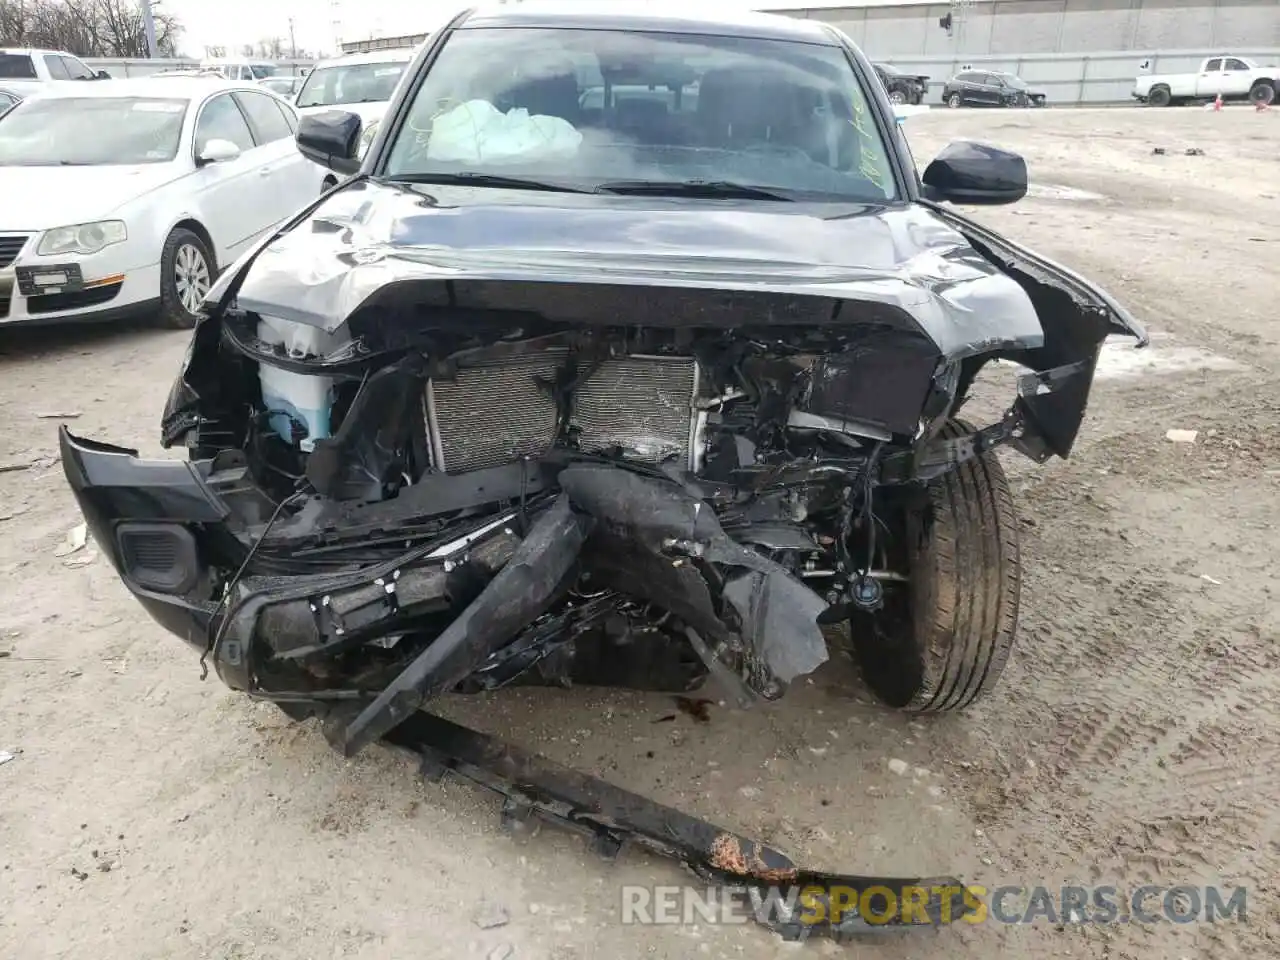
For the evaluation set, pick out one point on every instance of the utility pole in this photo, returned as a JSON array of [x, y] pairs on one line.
[[293, 44], [149, 25]]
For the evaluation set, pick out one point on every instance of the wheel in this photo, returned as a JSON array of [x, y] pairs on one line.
[[186, 273], [1262, 93], [1160, 97], [953, 101], [941, 640], [897, 96]]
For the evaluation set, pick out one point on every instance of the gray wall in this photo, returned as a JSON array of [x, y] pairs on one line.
[[120, 67], [1058, 26]]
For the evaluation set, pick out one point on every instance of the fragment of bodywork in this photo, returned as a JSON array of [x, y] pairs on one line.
[[610, 817]]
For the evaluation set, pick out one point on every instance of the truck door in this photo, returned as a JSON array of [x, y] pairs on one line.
[[1209, 83], [1236, 77]]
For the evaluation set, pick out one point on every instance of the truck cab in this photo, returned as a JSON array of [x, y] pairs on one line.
[[25, 68]]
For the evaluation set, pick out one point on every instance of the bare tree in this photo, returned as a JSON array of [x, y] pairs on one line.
[[87, 28]]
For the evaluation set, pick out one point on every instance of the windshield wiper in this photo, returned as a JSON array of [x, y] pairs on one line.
[[692, 188], [468, 179]]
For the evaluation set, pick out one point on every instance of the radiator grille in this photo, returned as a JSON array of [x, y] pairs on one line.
[[496, 412], [493, 413], [641, 404], [10, 246]]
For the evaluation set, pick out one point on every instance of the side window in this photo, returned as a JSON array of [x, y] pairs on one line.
[[267, 122], [77, 70], [221, 119], [1233, 64], [1213, 65], [57, 70]]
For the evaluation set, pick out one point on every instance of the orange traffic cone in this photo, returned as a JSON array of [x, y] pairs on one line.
[[1217, 102]]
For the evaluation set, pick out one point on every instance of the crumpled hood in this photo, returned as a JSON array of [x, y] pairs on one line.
[[40, 198], [369, 236]]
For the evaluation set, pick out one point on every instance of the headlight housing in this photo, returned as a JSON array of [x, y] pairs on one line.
[[366, 138], [82, 238]]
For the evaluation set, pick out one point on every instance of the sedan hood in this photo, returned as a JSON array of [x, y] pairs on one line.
[[370, 239], [40, 198]]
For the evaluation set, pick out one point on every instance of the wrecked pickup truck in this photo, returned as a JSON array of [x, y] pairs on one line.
[[631, 353]]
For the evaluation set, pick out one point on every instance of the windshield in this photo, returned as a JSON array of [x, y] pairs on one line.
[[17, 66], [91, 131], [351, 83], [1017, 83], [590, 107]]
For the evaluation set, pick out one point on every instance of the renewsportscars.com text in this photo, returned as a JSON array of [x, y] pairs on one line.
[[1010, 904]]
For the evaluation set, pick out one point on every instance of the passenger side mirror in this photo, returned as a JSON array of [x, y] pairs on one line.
[[218, 151], [975, 173], [102, 75], [331, 139]]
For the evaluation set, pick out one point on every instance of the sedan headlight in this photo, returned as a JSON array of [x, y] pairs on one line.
[[82, 238]]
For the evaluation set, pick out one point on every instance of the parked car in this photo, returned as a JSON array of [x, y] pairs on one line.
[[629, 395], [360, 83], [286, 87], [8, 98], [1232, 78], [902, 87], [126, 197], [235, 68], [26, 70], [985, 88]]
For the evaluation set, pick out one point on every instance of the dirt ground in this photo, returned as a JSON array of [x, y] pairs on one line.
[[1135, 738]]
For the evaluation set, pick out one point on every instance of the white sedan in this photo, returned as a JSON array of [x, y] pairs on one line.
[[124, 198]]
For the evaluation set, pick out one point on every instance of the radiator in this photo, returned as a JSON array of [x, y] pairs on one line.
[[496, 412]]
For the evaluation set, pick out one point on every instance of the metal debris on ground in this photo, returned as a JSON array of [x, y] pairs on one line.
[[75, 541], [1194, 152], [57, 415], [1182, 436], [1158, 151], [1215, 582], [6, 756], [490, 915]]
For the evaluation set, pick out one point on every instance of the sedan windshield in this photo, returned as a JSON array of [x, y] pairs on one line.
[[598, 109], [351, 83], [1017, 83], [91, 131]]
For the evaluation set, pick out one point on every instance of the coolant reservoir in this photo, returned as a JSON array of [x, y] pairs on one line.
[[293, 396]]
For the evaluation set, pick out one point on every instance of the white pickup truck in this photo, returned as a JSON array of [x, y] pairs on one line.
[[1235, 78], [25, 71]]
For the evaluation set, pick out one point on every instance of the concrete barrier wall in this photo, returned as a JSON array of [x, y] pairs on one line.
[[895, 28], [121, 68]]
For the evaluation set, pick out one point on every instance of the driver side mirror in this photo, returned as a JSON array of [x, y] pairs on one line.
[[218, 151], [102, 75], [331, 139], [975, 173]]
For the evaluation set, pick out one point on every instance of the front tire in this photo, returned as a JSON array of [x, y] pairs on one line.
[[187, 271], [1160, 97], [954, 101], [942, 642], [897, 97]]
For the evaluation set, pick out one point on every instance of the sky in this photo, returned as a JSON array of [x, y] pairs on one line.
[[233, 23]]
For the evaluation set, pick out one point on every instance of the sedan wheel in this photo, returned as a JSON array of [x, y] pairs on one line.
[[186, 274], [953, 101]]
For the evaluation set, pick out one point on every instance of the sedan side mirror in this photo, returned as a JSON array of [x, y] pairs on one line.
[[331, 139], [975, 173], [218, 151], [103, 75]]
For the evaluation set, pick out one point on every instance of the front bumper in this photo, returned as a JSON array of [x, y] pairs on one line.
[[106, 291], [122, 496]]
